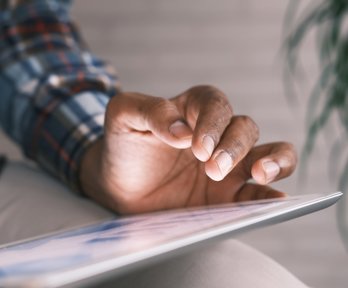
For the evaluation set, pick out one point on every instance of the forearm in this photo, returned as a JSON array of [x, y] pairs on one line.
[[54, 91]]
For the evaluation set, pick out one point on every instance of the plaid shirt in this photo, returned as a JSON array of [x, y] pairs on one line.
[[53, 91]]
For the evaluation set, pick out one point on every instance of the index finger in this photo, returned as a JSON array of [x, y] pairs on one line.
[[237, 140], [208, 112]]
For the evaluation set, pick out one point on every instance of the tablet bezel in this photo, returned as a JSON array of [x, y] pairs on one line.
[[106, 268]]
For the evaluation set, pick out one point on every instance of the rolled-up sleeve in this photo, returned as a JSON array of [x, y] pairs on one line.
[[53, 90]]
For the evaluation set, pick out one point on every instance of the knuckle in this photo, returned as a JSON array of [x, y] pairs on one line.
[[290, 151], [209, 101], [220, 102], [218, 124], [237, 149], [121, 107], [113, 103], [115, 108], [212, 94], [160, 110], [158, 106], [250, 125], [205, 88], [289, 147], [118, 103]]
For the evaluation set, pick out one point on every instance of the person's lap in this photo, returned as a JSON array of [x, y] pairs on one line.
[[33, 204]]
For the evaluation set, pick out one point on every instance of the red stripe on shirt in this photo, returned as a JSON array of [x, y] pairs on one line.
[[59, 149]]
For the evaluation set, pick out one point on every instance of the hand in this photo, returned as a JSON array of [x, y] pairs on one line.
[[186, 151]]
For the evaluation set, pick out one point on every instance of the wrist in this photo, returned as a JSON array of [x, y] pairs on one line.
[[90, 175]]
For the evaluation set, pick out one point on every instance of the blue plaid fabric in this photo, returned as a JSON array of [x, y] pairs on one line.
[[53, 90]]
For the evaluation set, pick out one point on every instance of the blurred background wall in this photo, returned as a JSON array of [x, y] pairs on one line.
[[162, 47]]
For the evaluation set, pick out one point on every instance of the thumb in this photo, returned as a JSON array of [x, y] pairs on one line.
[[135, 112]]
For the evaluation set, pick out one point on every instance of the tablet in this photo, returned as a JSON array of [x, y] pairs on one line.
[[96, 252]]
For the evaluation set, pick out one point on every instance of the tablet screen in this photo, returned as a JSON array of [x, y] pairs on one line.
[[125, 240]]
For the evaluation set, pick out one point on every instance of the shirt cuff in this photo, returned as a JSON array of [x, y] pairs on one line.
[[60, 142]]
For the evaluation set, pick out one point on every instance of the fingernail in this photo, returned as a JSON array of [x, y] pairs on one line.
[[224, 161], [208, 144], [271, 170], [180, 130]]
